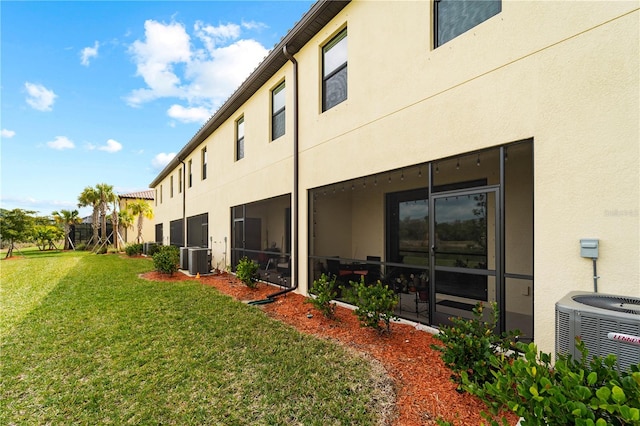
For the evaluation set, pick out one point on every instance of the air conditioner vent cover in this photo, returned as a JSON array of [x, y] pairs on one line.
[[624, 304]]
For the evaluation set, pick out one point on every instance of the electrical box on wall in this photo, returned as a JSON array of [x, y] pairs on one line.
[[589, 248]]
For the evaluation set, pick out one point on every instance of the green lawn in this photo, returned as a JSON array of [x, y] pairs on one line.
[[84, 341]]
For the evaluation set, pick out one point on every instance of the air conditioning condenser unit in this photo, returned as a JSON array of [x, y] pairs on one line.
[[606, 323]]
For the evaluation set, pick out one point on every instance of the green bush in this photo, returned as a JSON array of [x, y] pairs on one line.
[[154, 248], [102, 250], [81, 247], [568, 392], [166, 259], [133, 249], [247, 272], [374, 304], [325, 290], [470, 346]]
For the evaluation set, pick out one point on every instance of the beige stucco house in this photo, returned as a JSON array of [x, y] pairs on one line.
[[129, 235], [459, 151]]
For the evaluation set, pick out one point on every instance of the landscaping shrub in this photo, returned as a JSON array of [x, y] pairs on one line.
[[247, 272], [568, 392], [374, 304], [102, 250], [470, 346], [133, 249], [325, 290], [81, 247], [166, 259], [154, 248]]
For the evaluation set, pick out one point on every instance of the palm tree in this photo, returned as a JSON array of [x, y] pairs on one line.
[[115, 221], [66, 218], [141, 209], [125, 220], [106, 196], [90, 198]]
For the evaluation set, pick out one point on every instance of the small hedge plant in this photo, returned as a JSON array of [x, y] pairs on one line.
[[325, 290], [374, 303], [166, 259], [470, 346], [514, 376], [567, 392], [133, 249], [247, 272]]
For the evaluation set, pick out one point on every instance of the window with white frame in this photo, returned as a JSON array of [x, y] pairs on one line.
[[277, 112], [203, 158], [189, 171], [240, 139], [171, 187], [334, 71]]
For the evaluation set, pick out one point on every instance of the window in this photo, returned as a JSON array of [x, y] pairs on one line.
[[180, 180], [203, 155], [240, 139], [190, 177], [156, 197], [171, 187], [277, 112], [160, 194], [334, 71], [454, 17]]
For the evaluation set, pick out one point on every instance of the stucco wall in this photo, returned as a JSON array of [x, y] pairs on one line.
[[562, 73]]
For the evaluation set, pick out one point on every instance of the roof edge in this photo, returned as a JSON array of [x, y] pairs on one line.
[[322, 11]]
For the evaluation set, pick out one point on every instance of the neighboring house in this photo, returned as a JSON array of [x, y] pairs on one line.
[[459, 151], [129, 235]]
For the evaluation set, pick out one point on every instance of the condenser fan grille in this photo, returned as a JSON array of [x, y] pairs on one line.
[[629, 305]]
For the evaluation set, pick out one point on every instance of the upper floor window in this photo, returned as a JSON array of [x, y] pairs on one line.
[[203, 155], [334, 71], [180, 180], [160, 194], [190, 175], [240, 139], [171, 187], [277, 112], [454, 17]]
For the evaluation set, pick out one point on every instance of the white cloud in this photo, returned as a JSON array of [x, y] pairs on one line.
[[161, 160], [89, 52], [7, 134], [201, 69], [164, 46], [111, 146], [253, 25], [60, 143], [189, 115], [39, 97]]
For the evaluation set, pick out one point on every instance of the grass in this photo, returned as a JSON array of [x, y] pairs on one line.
[[90, 343]]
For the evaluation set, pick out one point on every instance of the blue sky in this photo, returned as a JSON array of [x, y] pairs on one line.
[[108, 91]]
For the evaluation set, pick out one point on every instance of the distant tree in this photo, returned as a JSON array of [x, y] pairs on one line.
[[67, 218], [15, 227], [106, 197], [115, 221], [90, 198], [125, 220], [46, 235], [140, 209]]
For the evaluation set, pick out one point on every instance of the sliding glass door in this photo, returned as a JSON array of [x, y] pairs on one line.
[[464, 252]]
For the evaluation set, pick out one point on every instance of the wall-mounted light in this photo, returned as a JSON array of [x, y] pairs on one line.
[[478, 161], [458, 164]]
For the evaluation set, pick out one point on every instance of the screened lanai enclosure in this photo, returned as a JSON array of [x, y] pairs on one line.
[[443, 235], [261, 231]]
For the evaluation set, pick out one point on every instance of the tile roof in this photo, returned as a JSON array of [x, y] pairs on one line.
[[144, 195]]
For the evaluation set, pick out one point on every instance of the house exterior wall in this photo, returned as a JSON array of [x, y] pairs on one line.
[[148, 227], [564, 74]]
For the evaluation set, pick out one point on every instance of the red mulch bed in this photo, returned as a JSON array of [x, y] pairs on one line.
[[424, 389]]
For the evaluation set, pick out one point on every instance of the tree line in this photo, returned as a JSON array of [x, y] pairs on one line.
[[24, 226]]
